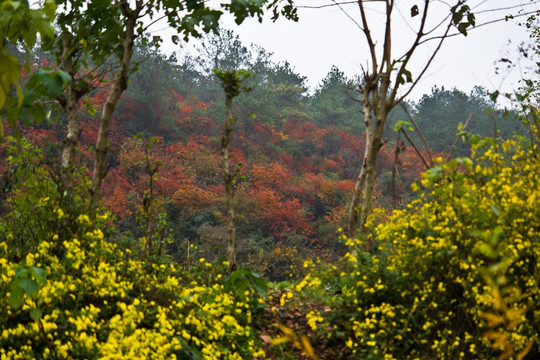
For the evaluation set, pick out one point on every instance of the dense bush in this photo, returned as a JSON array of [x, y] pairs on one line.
[[453, 276], [70, 292]]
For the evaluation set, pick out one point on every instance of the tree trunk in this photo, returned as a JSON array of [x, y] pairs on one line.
[[147, 208], [69, 104], [361, 202], [228, 179], [119, 84]]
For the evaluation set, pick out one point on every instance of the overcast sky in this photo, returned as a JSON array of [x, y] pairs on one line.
[[327, 36]]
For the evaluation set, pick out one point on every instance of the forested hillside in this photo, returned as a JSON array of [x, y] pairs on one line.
[[118, 181], [299, 152]]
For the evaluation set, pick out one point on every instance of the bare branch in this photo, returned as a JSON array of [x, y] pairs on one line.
[[419, 132], [443, 37], [153, 22], [505, 8], [369, 38], [478, 26], [335, 3], [387, 52], [352, 97], [347, 14], [409, 54], [416, 149]]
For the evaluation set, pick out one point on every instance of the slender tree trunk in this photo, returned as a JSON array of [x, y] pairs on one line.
[[69, 104], [361, 202], [354, 207], [228, 179], [119, 84], [147, 208]]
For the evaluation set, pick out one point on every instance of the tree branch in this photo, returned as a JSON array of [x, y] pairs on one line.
[[415, 149], [369, 39], [335, 3], [425, 67], [409, 53], [419, 132]]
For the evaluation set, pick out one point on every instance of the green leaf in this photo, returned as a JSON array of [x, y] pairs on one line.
[[16, 296], [494, 95], [36, 314], [433, 174], [462, 28], [400, 124], [38, 273], [20, 272], [471, 19], [28, 285], [50, 8], [458, 16], [64, 76], [54, 86], [408, 75], [20, 96]]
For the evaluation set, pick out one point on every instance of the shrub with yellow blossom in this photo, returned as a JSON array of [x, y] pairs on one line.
[[425, 291], [95, 301]]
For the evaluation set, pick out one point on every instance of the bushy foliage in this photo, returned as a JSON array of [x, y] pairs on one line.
[[75, 294], [453, 276]]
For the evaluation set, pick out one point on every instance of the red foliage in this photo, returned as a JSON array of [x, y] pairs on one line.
[[115, 190], [117, 203], [168, 180], [287, 160], [39, 137], [89, 133], [278, 216], [190, 198], [289, 217], [99, 99], [275, 176]]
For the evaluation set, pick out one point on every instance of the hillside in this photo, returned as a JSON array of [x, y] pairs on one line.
[[210, 205]]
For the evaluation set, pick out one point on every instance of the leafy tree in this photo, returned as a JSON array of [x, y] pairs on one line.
[[156, 75], [438, 115], [113, 27], [223, 50], [330, 105], [278, 87], [20, 27]]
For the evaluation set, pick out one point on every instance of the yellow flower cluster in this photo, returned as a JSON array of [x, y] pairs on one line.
[[98, 303], [423, 293]]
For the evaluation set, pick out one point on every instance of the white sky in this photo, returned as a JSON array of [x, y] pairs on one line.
[[326, 37]]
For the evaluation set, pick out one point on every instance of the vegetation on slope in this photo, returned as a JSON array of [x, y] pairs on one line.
[[448, 270]]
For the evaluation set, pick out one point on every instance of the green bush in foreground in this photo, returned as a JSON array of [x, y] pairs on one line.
[[68, 292], [455, 275]]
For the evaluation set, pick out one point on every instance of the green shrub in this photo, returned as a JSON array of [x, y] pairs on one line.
[[434, 287], [68, 292]]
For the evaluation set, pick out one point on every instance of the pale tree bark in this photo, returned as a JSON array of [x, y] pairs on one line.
[[228, 180], [119, 84], [231, 82], [69, 104], [69, 99]]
